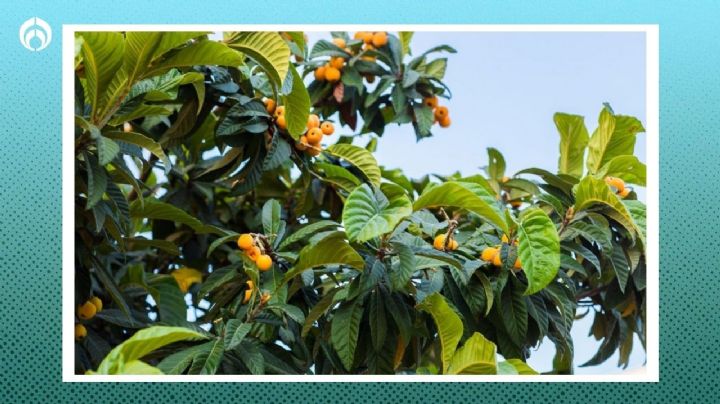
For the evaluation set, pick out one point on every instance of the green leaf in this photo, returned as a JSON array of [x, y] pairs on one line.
[[376, 318], [269, 50], [307, 231], [360, 158], [573, 141], [144, 142], [496, 166], [327, 48], [614, 136], [638, 211], [107, 150], [138, 367], [405, 38], [449, 325], [339, 176], [207, 362], [628, 168], [513, 313], [178, 362], [465, 195], [369, 213], [592, 191], [204, 52], [331, 250], [297, 106], [436, 68], [96, 181], [538, 249], [345, 330], [515, 367], [102, 54], [477, 356], [319, 310], [220, 241], [155, 209], [217, 278], [403, 269], [142, 343], [590, 232], [423, 119], [271, 219], [235, 332]]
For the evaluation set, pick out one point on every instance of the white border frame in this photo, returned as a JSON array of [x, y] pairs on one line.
[[651, 371]]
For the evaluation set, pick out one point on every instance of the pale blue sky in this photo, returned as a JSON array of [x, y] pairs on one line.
[[506, 87]]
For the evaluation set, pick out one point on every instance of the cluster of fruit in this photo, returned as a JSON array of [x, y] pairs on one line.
[[493, 254], [439, 243], [620, 189], [440, 113], [87, 311], [254, 251], [310, 141], [332, 70]]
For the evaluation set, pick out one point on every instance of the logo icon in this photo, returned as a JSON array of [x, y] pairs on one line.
[[35, 34]]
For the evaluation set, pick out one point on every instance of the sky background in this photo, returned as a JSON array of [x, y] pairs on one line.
[[506, 88]]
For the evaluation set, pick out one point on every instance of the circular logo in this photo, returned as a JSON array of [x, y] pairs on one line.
[[35, 34]]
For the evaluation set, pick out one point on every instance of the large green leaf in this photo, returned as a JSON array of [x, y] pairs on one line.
[[538, 249], [102, 54], [142, 343], [155, 209], [207, 361], [204, 52], [360, 158], [573, 141], [331, 250], [465, 195], [477, 356], [593, 191], [178, 362], [297, 105], [307, 231], [369, 213], [629, 168], [638, 211], [144, 142], [319, 309], [271, 222], [614, 136], [449, 325], [345, 330], [268, 49], [515, 366], [514, 314]]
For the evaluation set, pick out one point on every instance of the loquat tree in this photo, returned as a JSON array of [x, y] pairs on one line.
[[227, 222]]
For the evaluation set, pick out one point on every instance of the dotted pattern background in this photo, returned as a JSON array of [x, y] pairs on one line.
[[30, 202]]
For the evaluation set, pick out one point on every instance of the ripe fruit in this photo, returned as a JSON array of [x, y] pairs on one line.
[[314, 151], [332, 74], [313, 121], [270, 106], [320, 73], [265, 297], [445, 122], [618, 183], [264, 262], [431, 102], [279, 111], [366, 37], [453, 245], [337, 62], [302, 143], [497, 260], [248, 294], [127, 127], [516, 203], [625, 192], [80, 332], [489, 253], [314, 136], [97, 303], [327, 128], [281, 122], [254, 253], [339, 42], [87, 310], [439, 242], [517, 264], [440, 113], [379, 39], [245, 241]]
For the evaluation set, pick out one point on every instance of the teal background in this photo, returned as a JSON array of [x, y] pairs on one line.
[[30, 202]]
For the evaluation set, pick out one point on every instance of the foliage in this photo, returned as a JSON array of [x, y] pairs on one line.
[[177, 153]]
